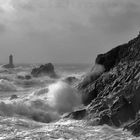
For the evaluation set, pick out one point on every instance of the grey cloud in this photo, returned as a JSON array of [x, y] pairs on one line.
[[68, 32], [2, 28], [117, 17]]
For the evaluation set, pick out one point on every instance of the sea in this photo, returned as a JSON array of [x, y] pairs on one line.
[[34, 108]]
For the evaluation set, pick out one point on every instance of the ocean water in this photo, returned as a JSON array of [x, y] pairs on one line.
[[33, 109]]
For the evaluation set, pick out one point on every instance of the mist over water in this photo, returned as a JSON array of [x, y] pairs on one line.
[[97, 69]]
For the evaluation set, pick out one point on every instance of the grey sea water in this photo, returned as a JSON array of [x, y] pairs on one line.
[[36, 113]]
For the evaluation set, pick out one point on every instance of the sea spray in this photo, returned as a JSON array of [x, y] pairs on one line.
[[41, 91], [97, 69], [28, 111], [6, 85], [62, 97], [95, 72], [28, 83], [90, 77], [44, 105]]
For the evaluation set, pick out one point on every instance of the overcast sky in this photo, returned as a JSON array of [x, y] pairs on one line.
[[65, 31]]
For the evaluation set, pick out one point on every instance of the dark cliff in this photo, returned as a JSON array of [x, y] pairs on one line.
[[113, 96]]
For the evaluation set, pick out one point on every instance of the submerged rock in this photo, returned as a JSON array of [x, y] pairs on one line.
[[112, 95], [47, 69], [24, 77]]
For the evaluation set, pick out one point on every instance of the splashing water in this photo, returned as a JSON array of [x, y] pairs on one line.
[[62, 97], [7, 85], [45, 105], [37, 112]]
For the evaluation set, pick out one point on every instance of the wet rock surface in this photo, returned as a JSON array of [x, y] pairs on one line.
[[113, 97], [134, 127], [78, 115], [71, 80]]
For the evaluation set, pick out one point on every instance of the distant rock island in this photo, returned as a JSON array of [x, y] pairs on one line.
[[47, 69], [111, 90], [10, 65]]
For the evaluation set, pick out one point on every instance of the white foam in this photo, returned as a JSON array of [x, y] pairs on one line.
[[44, 105], [62, 97], [23, 74], [7, 85], [30, 111]]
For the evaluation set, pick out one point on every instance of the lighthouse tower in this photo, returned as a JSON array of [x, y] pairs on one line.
[[11, 64], [11, 60]]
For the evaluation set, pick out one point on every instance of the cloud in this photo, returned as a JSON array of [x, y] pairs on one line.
[[44, 15], [118, 16], [2, 28], [80, 28]]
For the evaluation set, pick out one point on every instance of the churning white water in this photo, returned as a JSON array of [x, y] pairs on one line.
[[6, 85], [35, 112], [62, 97], [44, 105]]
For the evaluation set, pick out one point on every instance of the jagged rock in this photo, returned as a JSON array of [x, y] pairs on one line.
[[13, 97], [47, 69], [8, 66], [134, 127], [70, 79], [79, 114], [113, 96], [117, 99]]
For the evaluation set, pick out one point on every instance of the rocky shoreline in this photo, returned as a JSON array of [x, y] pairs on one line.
[[112, 95]]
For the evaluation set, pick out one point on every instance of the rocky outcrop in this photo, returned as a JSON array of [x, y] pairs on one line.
[[47, 69], [13, 97], [134, 127], [71, 79], [112, 96], [8, 66], [79, 114]]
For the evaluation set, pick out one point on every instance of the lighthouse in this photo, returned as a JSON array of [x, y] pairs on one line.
[[11, 60], [11, 64]]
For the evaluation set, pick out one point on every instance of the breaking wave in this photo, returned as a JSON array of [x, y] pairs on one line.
[[44, 105], [63, 97]]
